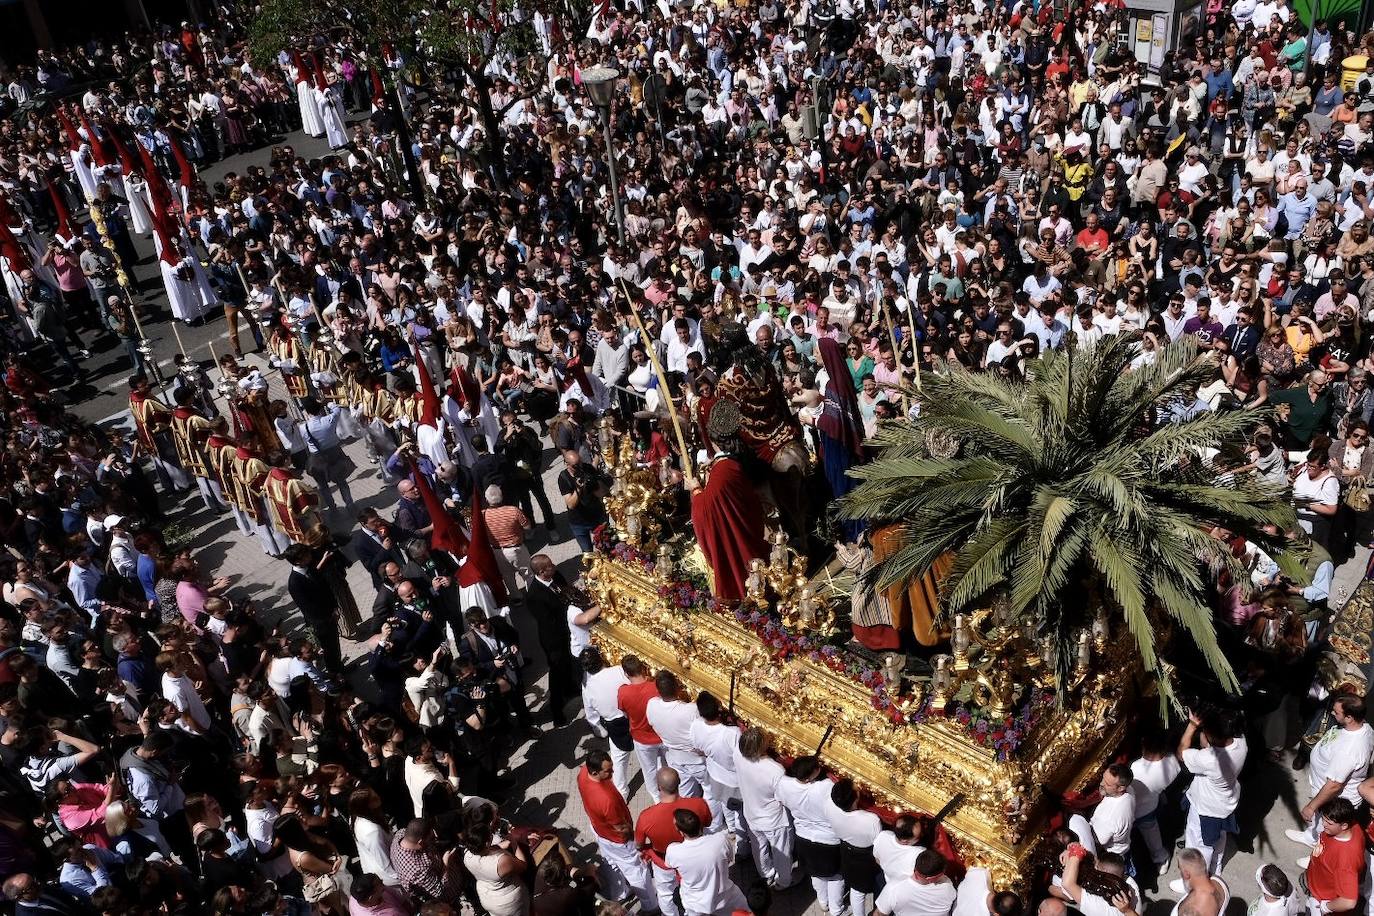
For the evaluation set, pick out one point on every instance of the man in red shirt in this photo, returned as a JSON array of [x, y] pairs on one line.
[[610, 818], [633, 699], [655, 831], [1333, 869]]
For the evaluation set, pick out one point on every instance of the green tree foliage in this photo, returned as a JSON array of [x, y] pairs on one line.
[[1068, 485]]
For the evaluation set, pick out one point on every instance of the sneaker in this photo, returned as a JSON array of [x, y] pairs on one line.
[[83, 354], [1177, 886], [1301, 837]]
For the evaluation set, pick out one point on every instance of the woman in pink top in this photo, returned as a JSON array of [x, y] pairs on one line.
[[81, 809], [191, 593]]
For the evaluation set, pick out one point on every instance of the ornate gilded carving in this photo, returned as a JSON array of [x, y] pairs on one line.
[[917, 766]]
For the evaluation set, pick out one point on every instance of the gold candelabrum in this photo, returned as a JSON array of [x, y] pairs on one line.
[[638, 504], [145, 346]]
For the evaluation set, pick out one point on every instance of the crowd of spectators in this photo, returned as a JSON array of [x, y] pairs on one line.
[[936, 187]]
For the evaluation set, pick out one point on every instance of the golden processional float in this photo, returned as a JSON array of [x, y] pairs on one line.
[[986, 726]]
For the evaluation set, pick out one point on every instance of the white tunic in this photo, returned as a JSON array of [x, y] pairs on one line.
[[331, 116], [182, 295], [135, 191], [311, 121]]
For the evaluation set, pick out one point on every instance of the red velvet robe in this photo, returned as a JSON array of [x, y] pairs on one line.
[[727, 518]]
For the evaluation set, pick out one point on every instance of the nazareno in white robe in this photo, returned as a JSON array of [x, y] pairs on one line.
[[310, 109]]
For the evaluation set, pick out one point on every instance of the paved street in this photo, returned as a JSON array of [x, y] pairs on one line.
[[548, 764]]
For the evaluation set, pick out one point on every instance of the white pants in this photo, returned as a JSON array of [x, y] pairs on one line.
[[665, 885], [207, 495], [830, 893], [691, 771], [242, 520], [625, 870], [773, 854], [652, 758], [273, 541], [859, 902], [172, 476], [718, 799], [1192, 836], [620, 760]]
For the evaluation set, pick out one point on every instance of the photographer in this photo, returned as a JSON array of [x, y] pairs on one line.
[[493, 647], [478, 715], [584, 490]]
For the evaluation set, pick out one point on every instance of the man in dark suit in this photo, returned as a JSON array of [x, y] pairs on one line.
[[311, 592], [486, 468], [32, 898], [493, 646], [378, 541], [548, 599]]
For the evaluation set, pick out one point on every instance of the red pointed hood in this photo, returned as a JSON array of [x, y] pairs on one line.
[[481, 565], [11, 249], [464, 389], [164, 210], [74, 140], [446, 535], [126, 159], [378, 90], [64, 216], [429, 416], [302, 71], [187, 178], [320, 82]]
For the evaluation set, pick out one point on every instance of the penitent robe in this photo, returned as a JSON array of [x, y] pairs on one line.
[[727, 517]]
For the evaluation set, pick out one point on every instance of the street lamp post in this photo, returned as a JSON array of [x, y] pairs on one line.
[[600, 85]]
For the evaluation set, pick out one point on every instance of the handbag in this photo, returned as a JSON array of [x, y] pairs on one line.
[[1357, 495], [319, 887]]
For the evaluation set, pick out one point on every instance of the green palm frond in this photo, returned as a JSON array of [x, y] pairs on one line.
[[1069, 491]]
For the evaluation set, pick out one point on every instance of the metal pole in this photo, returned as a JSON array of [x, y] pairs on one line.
[[615, 183]]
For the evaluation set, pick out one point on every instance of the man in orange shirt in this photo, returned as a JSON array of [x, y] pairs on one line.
[[655, 831], [610, 818], [1333, 869], [508, 526], [633, 699]]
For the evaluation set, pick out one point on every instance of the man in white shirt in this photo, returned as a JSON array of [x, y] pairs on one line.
[[770, 832], [672, 719], [1115, 814], [977, 898], [717, 742], [1215, 790], [1339, 763], [896, 850], [703, 861], [927, 892], [1154, 771], [600, 703], [857, 830], [181, 693]]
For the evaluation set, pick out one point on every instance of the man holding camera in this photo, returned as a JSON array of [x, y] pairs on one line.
[[584, 491]]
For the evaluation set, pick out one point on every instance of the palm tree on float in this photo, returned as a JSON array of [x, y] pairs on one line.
[[1074, 483]]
